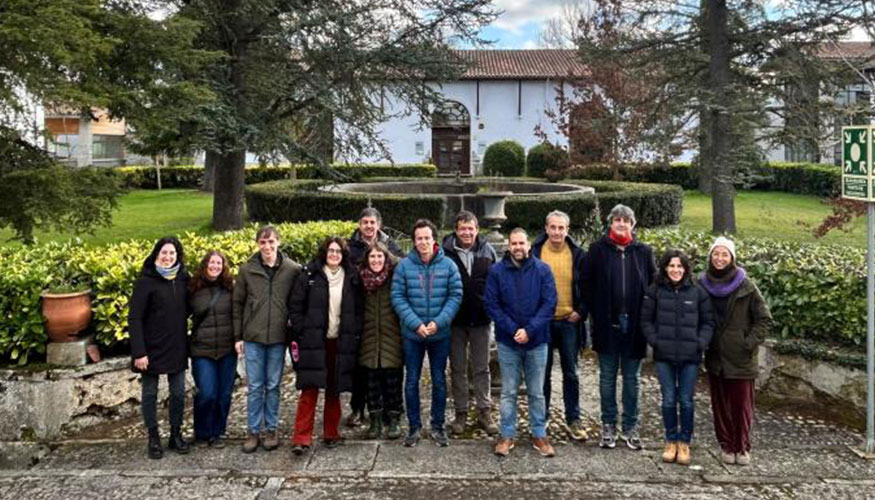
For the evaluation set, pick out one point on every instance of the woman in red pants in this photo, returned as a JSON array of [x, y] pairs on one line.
[[326, 314]]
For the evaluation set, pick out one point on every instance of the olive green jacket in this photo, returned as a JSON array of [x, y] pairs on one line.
[[261, 310], [734, 348], [381, 344]]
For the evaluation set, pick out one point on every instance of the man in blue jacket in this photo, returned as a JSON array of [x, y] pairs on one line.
[[426, 294], [521, 298]]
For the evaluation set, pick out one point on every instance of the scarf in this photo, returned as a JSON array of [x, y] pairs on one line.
[[723, 286], [616, 239], [168, 273], [372, 280], [335, 296]]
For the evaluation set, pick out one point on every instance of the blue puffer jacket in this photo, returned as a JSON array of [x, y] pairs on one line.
[[523, 297], [422, 293]]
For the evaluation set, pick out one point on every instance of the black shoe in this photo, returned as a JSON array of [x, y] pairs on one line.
[[331, 443], [412, 438], [176, 442], [217, 442], [299, 449], [439, 436], [154, 447]]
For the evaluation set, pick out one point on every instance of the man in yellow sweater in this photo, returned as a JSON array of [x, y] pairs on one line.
[[567, 330]]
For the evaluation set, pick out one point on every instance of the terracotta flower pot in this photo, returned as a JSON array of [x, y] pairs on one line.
[[66, 314]]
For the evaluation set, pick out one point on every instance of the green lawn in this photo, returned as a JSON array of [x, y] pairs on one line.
[[146, 214], [772, 214], [152, 214]]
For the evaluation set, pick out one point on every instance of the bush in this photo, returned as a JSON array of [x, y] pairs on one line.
[[654, 204], [504, 158], [544, 157], [803, 178], [528, 212], [111, 271]]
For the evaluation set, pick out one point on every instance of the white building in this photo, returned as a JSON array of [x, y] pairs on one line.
[[504, 95]]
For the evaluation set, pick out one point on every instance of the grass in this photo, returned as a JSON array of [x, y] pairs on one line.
[[151, 214], [145, 214]]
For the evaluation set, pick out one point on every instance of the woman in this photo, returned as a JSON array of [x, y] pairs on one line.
[[326, 316], [381, 352], [678, 323], [742, 320], [157, 322], [213, 358]]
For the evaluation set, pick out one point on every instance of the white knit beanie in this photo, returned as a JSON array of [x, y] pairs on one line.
[[724, 242]]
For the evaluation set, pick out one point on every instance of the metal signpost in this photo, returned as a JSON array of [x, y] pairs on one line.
[[858, 183]]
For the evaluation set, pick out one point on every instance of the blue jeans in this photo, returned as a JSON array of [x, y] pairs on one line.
[[677, 382], [214, 379], [264, 370], [609, 364], [513, 363], [566, 337], [414, 354]]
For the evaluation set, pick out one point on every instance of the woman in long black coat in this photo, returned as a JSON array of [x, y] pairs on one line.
[[157, 322], [326, 313]]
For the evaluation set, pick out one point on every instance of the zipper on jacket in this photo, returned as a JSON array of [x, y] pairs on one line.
[[677, 320], [270, 300], [623, 278]]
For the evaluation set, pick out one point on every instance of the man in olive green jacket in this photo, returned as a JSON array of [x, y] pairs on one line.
[[261, 313]]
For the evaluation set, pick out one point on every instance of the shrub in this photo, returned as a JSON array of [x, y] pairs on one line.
[[654, 204], [544, 157], [528, 212], [111, 271], [504, 158]]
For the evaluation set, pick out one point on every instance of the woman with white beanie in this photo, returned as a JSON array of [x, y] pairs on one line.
[[742, 320]]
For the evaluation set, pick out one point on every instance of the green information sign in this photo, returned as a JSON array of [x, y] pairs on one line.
[[858, 181]]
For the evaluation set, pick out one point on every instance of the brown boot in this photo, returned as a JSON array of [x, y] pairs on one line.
[[484, 420], [251, 443], [670, 453], [543, 447], [684, 453], [458, 425], [503, 447], [270, 441]]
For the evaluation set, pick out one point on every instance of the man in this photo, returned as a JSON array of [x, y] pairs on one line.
[[521, 299], [369, 232], [426, 294], [616, 272], [567, 330], [473, 255], [261, 313]]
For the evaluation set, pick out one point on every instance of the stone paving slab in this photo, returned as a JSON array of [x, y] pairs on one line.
[[461, 459]]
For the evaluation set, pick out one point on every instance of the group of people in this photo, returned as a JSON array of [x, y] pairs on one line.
[[361, 317]]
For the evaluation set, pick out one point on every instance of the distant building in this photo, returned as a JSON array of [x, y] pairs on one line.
[[82, 141]]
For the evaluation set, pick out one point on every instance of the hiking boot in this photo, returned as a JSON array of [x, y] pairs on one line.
[[299, 449], [633, 440], [355, 419], [393, 431], [503, 447], [176, 442], [217, 442], [684, 457], [670, 453], [485, 422], [201, 443], [154, 448], [578, 431], [251, 443], [412, 438], [375, 430], [609, 436], [270, 441], [458, 425], [728, 458], [543, 447], [439, 436], [742, 458]]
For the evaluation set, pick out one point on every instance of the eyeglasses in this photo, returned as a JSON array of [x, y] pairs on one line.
[[335, 250]]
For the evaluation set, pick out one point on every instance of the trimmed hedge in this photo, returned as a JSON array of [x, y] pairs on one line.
[[799, 178], [110, 271], [505, 159], [528, 212], [654, 204], [545, 157], [192, 176]]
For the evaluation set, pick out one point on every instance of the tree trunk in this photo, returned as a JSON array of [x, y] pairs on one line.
[[210, 161], [228, 190], [723, 192], [703, 166]]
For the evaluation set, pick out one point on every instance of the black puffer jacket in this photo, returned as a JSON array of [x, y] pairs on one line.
[[677, 321], [472, 312], [308, 312], [213, 337], [157, 319]]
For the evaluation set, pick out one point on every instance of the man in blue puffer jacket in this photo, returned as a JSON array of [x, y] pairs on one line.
[[426, 295], [521, 298]]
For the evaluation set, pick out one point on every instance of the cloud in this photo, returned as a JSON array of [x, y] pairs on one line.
[[518, 13]]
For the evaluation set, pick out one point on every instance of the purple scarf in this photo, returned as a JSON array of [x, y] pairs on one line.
[[722, 288]]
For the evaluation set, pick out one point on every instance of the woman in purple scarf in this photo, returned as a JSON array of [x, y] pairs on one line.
[[742, 320]]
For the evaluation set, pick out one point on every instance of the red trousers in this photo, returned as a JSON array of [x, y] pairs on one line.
[[305, 416], [732, 404]]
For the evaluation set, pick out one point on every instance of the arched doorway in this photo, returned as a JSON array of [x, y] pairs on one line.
[[451, 139]]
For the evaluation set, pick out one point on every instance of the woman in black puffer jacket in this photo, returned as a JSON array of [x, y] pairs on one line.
[[677, 320], [211, 346]]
